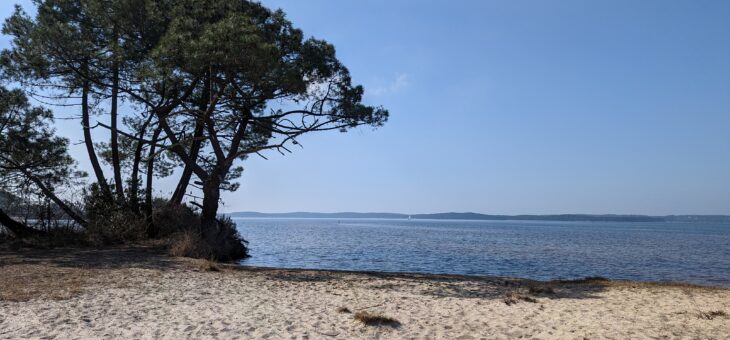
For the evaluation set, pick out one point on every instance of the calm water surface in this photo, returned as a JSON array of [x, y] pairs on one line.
[[696, 252]]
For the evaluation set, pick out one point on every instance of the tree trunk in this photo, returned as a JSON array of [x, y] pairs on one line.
[[182, 185], [118, 185], [134, 181], [151, 229], [51, 195], [208, 220], [18, 229], [85, 122]]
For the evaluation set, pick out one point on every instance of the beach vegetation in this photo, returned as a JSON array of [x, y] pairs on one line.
[[712, 314], [374, 319], [207, 265], [512, 298]]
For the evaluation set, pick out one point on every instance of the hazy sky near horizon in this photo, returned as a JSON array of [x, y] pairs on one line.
[[511, 107]]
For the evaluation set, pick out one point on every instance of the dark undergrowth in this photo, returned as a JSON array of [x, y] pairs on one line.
[[173, 227]]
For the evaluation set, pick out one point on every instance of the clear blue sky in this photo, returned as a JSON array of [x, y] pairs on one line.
[[512, 107]]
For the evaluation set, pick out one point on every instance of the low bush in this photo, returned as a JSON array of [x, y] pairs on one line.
[[172, 219], [188, 243], [109, 222], [227, 244], [117, 227]]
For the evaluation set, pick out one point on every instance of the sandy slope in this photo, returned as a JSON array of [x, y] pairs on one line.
[[137, 294]]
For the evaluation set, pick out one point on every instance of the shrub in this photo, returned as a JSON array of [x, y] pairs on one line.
[[227, 245], [109, 222], [118, 227], [188, 243], [172, 219]]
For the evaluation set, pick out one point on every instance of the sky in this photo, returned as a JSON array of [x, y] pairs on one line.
[[510, 107]]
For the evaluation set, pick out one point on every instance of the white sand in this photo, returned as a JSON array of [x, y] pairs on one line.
[[177, 300]]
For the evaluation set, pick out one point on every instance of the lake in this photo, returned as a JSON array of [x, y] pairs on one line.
[[652, 251]]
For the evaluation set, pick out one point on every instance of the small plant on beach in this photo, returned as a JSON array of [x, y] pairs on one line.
[[513, 297], [208, 266], [371, 319], [712, 314], [343, 310]]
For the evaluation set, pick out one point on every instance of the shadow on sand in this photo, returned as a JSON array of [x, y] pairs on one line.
[[91, 258]]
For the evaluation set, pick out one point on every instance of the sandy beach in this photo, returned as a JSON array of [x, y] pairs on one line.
[[140, 293]]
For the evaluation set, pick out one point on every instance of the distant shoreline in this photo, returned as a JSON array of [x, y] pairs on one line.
[[484, 217]]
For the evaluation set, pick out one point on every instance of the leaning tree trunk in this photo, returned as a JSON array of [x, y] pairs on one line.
[[18, 229], [151, 228], [134, 180], [53, 197], [182, 185], [88, 141]]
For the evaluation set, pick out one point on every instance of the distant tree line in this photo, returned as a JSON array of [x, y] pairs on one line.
[[190, 87]]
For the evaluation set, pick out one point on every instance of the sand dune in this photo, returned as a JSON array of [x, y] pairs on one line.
[[135, 293]]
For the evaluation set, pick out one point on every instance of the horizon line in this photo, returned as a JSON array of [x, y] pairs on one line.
[[477, 213]]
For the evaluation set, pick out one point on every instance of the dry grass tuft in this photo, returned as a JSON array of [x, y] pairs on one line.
[[711, 315], [513, 297], [343, 310], [189, 244], [207, 266], [370, 319]]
